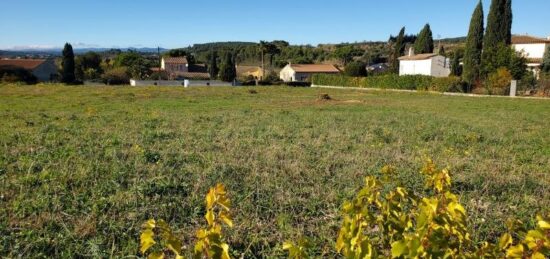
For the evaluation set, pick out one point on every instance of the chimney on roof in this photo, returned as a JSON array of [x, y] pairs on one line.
[[411, 51]]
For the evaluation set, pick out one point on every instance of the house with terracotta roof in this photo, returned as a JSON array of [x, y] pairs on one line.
[[532, 48], [44, 70], [303, 72], [179, 68], [429, 64]]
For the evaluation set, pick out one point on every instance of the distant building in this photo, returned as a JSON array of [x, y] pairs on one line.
[[378, 68], [250, 71], [429, 64], [45, 70], [303, 72], [532, 48], [179, 69]]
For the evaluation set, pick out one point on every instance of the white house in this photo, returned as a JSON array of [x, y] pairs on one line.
[[303, 72], [532, 48], [429, 64]]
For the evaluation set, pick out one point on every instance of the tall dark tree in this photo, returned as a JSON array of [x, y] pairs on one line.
[[496, 25], [228, 71], [456, 70], [441, 51], [508, 18], [546, 61], [213, 69], [474, 46], [424, 42], [68, 67], [497, 37], [398, 50]]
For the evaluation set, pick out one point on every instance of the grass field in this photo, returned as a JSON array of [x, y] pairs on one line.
[[81, 168]]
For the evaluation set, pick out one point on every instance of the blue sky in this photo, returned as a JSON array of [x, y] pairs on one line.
[[179, 23]]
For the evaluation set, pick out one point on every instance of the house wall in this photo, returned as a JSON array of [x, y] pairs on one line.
[[415, 67], [531, 50], [46, 71], [437, 66], [440, 66], [287, 74], [170, 67]]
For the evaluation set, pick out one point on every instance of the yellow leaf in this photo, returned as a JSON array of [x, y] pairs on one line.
[[156, 255], [210, 217], [287, 245], [537, 255], [210, 199], [398, 248], [226, 219], [543, 223], [225, 254], [146, 240], [505, 241], [149, 224], [515, 252]]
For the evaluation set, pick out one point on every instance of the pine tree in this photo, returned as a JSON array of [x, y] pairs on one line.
[[68, 64], [398, 50], [228, 72], [425, 42], [474, 46], [213, 69]]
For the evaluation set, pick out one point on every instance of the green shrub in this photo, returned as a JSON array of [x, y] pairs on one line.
[[392, 81], [116, 76], [498, 82]]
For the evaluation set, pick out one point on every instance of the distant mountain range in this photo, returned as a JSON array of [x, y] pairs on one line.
[[57, 51]]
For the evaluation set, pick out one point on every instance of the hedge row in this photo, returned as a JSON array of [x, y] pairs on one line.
[[416, 82]]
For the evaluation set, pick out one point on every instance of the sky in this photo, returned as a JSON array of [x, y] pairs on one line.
[[180, 23]]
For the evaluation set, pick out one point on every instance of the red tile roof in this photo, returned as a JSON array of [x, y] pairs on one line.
[[314, 68], [28, 64], [178, 60], [419, 56], [526, 39]]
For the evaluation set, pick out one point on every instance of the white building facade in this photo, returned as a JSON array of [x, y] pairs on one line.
[[303, 72], [424, 64], [532, 48]]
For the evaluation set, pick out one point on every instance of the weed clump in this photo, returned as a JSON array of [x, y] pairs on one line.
[[324, 97]]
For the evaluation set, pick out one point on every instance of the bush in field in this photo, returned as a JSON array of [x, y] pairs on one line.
[[356, 69], [392, 81], [499, 81], [116, 76], [377, 223]]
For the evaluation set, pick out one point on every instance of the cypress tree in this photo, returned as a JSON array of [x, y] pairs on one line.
[[546, 61], [67, 73], [425, 42], [495, 33], [455, 65], [213, 69], [474, 46], [497, 37], [441, 50], [228, 72], [508, 18], [398, 50]]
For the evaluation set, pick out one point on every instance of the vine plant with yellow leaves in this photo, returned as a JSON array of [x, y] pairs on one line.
[[376, 224], [158, 241]]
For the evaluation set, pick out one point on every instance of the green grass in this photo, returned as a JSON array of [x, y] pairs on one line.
[[81, 168]]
